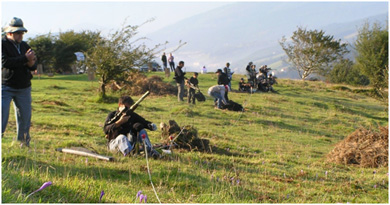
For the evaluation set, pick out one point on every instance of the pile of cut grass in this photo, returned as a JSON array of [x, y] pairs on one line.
[[363, 147]]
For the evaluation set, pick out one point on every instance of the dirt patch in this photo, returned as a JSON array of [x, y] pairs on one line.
[[363, 147]]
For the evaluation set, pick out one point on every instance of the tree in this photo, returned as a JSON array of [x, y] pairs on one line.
[[313, 52], [346, 72], [372, 55], [70, 42], [43, 45], [58, 51], [113, 58]]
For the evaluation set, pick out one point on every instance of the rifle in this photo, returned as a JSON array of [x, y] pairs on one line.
[[126, 111]]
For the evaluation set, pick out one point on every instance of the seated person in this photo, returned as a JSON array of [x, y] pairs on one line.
[[123, 131], [244, 86]]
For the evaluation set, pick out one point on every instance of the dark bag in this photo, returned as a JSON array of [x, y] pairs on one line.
[[200, 97], [233, 106]]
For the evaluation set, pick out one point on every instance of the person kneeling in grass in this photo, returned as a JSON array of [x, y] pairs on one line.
[[124, 132]]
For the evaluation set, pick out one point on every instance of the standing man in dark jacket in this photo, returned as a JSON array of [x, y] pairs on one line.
[[223, 80], [179, 77], [124, 132], [18, 60]]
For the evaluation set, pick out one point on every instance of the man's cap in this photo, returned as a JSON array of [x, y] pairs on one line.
[[242, 78], [195, 73], [15, 25], [219, 71]]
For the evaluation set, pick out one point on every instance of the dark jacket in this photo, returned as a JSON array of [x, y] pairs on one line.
[[164, 59], [179, 75], [139, 122], [223, 79], [194, 82], [15, 72]]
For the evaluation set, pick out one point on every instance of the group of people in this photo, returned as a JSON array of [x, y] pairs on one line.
[[257, 80], [19, 60]]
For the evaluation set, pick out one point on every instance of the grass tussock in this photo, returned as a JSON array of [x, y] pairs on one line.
[[363, 147]]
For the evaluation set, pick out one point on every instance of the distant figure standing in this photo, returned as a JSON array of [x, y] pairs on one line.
[[164, 60], [223, 80], [171, 62], [179, 77], [192, 86], [229, 74], [249, 70], [204, 70], [165, 64], [18, 60]]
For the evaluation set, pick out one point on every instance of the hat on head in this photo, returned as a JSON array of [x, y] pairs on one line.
[[195, 73], [219, 71], [15, 25]]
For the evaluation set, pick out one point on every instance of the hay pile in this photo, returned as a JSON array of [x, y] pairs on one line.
[[138, 83], [188, 138], [363, 147]]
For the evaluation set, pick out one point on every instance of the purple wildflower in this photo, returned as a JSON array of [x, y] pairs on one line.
[[146, 198], [326, 173], [139, 194], [288, 195], [101, 196], [217, 179], [44, 186], [238, 181], [374, 172], [141, 197], [375, 186]]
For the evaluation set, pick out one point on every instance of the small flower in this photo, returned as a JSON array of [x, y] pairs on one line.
[[284, 175], [141, 197], [238, 181], [143, 136], [288, 195], [171, 137], [86, 160], [374, 172], [101, 195], [301, 171], [217, 179], [44, 186], [139, 194], [375, 186], [326, 173]]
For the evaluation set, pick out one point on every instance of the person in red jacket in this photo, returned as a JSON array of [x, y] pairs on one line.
[[18, 60]]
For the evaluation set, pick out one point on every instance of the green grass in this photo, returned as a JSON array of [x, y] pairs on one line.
[[273, 153]]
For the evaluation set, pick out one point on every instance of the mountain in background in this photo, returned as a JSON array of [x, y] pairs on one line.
[[251, 31]]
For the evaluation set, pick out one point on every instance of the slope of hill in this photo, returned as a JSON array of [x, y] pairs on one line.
[[243, 32], [274, 152]]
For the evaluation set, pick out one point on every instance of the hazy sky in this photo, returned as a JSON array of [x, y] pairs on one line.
[[42, 17]]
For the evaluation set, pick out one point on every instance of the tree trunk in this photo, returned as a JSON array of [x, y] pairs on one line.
[[103, 90]]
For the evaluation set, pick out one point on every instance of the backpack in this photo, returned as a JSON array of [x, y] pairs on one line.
[[199, 96]]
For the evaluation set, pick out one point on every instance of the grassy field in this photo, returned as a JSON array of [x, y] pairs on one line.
[[275, 152]]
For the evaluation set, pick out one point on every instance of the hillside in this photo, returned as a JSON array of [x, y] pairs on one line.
[[274, 152], [250, 31]]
